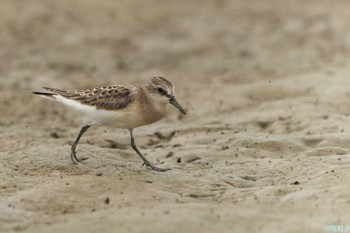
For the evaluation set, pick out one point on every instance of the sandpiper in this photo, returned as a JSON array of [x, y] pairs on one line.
[[121, 106]]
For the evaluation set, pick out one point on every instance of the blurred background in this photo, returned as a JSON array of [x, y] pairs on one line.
[[86, 43], [69, 40]]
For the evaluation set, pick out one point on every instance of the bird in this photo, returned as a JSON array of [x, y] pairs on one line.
[[119, 106]]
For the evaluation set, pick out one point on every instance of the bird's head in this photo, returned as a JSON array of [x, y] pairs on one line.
[[163, 91]]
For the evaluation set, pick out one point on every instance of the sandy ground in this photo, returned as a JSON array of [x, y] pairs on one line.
[[265, 146]]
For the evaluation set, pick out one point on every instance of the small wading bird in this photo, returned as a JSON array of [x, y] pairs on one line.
[[121, 106]]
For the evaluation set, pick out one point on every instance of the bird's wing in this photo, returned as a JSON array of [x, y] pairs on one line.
[[107, 97]]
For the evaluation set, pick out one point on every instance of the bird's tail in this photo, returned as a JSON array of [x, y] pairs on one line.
[[46, 95]]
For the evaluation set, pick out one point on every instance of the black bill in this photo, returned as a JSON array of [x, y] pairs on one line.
[[174, 102]]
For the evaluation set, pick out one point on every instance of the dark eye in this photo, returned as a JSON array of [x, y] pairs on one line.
[[160, 90]]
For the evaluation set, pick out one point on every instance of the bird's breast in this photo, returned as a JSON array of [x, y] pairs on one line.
[[153, 113]]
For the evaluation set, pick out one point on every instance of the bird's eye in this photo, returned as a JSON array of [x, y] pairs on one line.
[[160, 90]]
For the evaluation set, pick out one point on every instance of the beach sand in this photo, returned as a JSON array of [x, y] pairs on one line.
[[265, 146]]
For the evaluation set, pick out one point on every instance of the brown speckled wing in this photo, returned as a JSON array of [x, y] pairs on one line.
[[107, 97]]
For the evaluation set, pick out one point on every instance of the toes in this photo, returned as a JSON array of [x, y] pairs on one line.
[[157, 168], [163, 169]]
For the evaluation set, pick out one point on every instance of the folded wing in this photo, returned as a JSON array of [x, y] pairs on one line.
[[107, 97]]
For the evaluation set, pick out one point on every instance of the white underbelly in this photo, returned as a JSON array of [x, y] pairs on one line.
[[126, 118], [119, 118]]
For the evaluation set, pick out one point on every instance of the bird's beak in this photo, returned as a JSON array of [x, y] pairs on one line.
[[174, 102]]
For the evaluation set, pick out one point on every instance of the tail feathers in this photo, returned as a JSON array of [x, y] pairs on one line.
[[46, 95], [42, 93]]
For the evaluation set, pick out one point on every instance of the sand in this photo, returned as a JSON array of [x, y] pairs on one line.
[[265, 146]]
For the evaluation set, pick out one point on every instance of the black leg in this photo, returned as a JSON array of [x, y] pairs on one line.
[[73, 155], [146, 162]]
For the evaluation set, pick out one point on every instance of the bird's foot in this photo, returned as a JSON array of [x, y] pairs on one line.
[[158, 169], [75, 159]]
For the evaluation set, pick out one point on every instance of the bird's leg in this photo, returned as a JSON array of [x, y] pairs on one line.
[[145, 161], [73, 155]]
